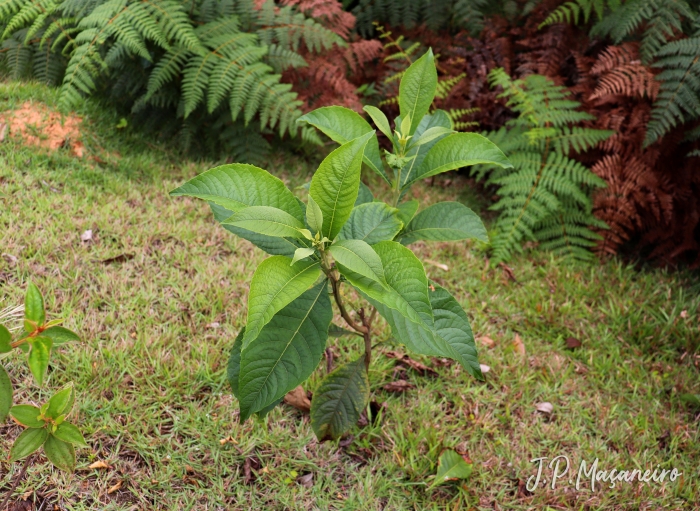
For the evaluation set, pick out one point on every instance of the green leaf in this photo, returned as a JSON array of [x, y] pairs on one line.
[[336, 183], [60, 335], [233, 370], [39, 358], [263, 413], [451, 467], [27, 416], [275, 284], [372, 222], [339, 400], [364, 195], [60, 453], [314, 216], [358, 257], [459, 150], [270, 244], [34, 305], [302, 253], [238, 186], [69, 433], [452, 331], [380, 120], [61, 402], [438, 119], [5, 340], [342, 125], [430, 135], [417, 89], [5, 394], [28, 442], [445, 221], [268, 221], [286, 351], [407, 211], [337, 331]]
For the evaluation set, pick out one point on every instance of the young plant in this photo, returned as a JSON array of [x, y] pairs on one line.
[[343, 237], [47, 425]]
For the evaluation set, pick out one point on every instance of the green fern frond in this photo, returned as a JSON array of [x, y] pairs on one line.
[[580, 10], [546, 196]]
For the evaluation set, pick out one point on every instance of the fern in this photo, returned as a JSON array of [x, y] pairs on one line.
[[546, 197], [580, 10], [217, 58]]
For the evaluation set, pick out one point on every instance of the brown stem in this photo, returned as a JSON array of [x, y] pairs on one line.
[[19, 477], [329, 360], [366, 322], [335, 284]]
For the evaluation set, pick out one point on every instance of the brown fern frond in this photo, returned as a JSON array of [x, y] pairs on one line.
[[622, 73]]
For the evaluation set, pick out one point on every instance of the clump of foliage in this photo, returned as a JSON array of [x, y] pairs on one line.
[[342, 237], [47, 425], [546, 196], [202, 63]]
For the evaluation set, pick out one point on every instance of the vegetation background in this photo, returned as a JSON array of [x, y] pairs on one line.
[[157, 291]]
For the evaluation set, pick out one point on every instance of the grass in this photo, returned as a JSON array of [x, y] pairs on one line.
[[159, 294]]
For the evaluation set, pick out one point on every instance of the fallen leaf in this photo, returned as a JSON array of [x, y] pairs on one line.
[[443, 267], [10, 259], [307, 480], [508, 272], [545, 407], [215, 324], [99, 465], [121, 258], [86, 236], [413, 364], [298, 399], [572, 343], [115, 487], [451, 467], [250, 465], [227, 440], [684, 314], [398, 386], [346, 441], [518, 345], [484, 368], [486, 341]]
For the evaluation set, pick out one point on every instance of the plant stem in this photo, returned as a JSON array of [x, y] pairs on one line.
[[367, 323], [335, 284], [19, 477]]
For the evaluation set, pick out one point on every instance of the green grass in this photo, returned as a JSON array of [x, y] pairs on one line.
[[154, 405]]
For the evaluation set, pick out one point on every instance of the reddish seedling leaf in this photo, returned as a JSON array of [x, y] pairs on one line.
[[298, 399]]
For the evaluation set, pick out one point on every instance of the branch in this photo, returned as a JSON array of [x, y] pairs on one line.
[[19, 477], [335, 284]]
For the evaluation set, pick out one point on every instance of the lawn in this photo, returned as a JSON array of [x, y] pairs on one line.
[[158, 294]]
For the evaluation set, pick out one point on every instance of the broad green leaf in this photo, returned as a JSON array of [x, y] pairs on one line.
[[286, 351], [5, 394], [27, 416], [60, 453], [60, 402], [60, 335], [302, 253], [261, 414], [364, 195], [452, 331], [268, 221], [28, 442], [339, 400], [39, 358], [451, 467], [372, 222], [438, 119], [337, 331], [380, 120], [445, 221], [358, 257], [34, 305], [270, 244], [407, 210], [69, 433], [5, 340], [275, 284], [342, 125], [430, 135], [336, 184], [417, 89], [314, 216], [459, 150], [238, 186], [233, 370]]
